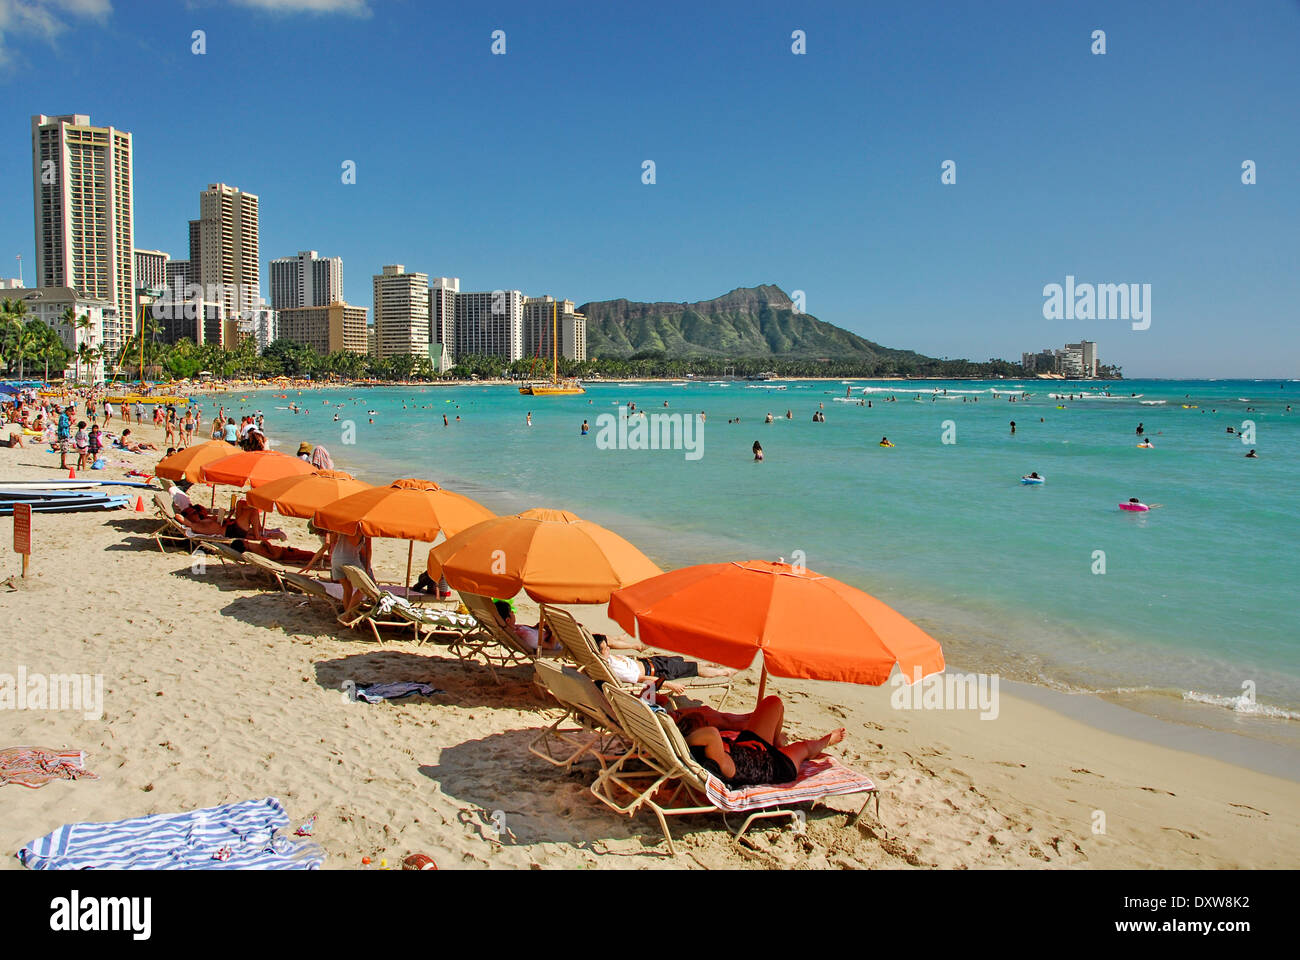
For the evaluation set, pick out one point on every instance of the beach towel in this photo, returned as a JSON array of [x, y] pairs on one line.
[[233, 836], [818, 778], [377, 692], [36, 766], [390, 603]]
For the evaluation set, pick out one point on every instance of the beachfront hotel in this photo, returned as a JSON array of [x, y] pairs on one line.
[[84, 208], [1078, 361], [326, 329], [50, 305], [224, 247], [442, 321], [150, 269], [401, 312], [570, 326], [490, 323], [306, 280]]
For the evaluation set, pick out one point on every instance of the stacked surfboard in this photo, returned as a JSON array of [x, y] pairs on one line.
[[64, 496]]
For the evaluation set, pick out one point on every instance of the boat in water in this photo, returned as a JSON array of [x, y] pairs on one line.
[[557, 387]]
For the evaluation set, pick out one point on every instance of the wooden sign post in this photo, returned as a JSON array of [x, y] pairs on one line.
[[23, 532]]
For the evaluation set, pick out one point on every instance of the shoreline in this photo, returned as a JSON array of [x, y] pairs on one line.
[[219, 690], [1199, 726]]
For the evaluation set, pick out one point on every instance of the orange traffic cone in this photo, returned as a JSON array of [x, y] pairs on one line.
[[139, 504], [72, 474]]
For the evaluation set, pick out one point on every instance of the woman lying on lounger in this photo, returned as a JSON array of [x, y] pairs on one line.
[[747, 749], [664, 671], [289, 556], [245, 523]]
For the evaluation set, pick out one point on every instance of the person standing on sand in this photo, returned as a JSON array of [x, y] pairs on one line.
[[63, 436]]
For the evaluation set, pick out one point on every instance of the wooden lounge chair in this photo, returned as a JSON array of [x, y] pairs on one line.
[[327, 590], [580, 647], [173, 528], [660, 773], [512, 648], [597, 732], [368, 610]]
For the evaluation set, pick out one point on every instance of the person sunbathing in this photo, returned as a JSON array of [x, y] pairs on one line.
[[244, 524], [663, 671], [527, 635], [757, 753], [288, 556], [15, 440], [134, 446]]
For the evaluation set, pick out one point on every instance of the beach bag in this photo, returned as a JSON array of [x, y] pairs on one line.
[[98, 464]]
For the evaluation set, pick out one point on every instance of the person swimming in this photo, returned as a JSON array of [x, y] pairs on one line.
[[758, 450], [884, 442], [1252, 455], [585, 428]]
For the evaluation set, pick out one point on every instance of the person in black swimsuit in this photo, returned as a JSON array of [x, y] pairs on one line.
[[747, 749]]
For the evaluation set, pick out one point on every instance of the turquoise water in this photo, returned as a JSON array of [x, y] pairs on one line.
[[1197, 597]]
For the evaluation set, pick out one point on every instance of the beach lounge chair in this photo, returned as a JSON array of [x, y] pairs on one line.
[[368, 610], [327, 590], [173, 528], [460, 633], [512, 648], [597, 732], [660, 773], [580, 647]]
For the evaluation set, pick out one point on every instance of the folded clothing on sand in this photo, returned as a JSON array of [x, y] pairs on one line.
[[233, 836], [375, 692], [36, 766]]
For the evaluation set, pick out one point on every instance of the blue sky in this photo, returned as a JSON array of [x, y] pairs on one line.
[[818, 172]]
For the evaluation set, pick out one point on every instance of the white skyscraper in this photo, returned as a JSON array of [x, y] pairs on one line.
[[84, 213], [490, 323], [401, 312], [224, 247], [306, 280]]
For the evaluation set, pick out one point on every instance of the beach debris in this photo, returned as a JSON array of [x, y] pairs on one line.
[[306, 829], [223, 854], [419, 861]]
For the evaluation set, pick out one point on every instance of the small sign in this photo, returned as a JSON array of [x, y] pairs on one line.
[[23, 528], [23, 531]]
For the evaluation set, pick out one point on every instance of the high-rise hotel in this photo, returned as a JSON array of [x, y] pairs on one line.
[[401, 308], [306, 280], [84, 211], [224, 248]]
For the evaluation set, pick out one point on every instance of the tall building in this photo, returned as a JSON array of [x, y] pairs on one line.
[[150, 269], [1088, 355], [541, 315], [337, 326], [224, 251], [442, 319], [490, 323], [401, 312], [84, 213], [176, 274], [306, 280]]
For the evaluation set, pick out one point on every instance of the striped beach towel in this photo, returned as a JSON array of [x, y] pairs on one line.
[[233, 836], [36, 766], [818, 778]]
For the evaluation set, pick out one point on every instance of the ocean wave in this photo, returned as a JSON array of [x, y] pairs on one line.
[[1243, 705]]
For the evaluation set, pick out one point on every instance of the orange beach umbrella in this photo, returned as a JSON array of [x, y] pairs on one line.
[[553, 555], [188, 464], [807, 625], [301, 495], [252, 468], [404, 510]]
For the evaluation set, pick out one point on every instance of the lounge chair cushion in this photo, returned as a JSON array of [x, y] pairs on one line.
[[820, 777]]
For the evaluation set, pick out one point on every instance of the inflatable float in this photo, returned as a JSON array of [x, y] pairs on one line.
[[1032, 480], [1134, 507]]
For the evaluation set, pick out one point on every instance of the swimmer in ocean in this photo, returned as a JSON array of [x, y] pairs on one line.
[[758, 450]]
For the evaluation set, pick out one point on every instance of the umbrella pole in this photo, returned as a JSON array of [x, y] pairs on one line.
[[762, 683], [410, 552]]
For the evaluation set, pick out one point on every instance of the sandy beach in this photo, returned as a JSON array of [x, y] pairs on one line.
[[220, 689]]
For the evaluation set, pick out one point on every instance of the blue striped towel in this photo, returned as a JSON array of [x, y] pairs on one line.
[[179, 841]]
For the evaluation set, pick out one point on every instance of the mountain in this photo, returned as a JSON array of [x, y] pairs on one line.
[[745, 323]]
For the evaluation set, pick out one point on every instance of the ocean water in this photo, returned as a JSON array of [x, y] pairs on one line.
[[1197, 603]]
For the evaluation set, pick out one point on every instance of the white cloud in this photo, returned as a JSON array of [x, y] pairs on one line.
[[43, 19], [356, 8]]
